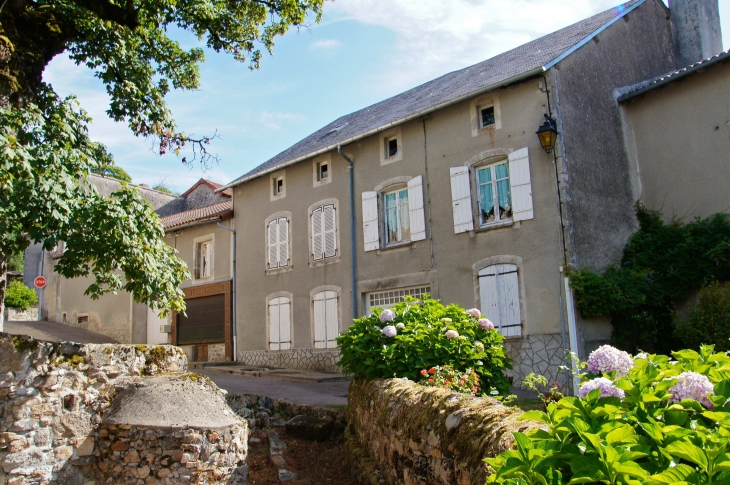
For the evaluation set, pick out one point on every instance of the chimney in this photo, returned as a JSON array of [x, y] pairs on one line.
[[696, 29]]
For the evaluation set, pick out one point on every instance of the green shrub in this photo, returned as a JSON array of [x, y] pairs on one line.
[[20, 296], [421, 343], [709, 321], [643, 435]]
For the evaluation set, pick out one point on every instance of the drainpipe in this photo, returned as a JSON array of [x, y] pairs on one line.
[[352, 231], [235, 326], [428, 191]]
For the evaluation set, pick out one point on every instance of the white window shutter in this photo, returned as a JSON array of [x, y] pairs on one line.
[[370, 223], [461, 200], [320, 321], [415, 209], [508, 285], [332, 323], [274, 244], [330, 231], [317, 234], [283, 242], [284, 324], [519, 178], [274, 336]]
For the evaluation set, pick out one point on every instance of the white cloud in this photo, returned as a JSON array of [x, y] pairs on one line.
[[273, 121], [325, 44], [434, 36]]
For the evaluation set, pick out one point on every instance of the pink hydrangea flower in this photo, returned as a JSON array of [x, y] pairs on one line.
[[607, 387], [474, 312], [607, 359], [485, 324], [691, 385], [451, 334], [387, 316], [389, 331]]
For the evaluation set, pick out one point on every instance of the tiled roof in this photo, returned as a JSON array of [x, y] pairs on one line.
[[533, 57], [196, 215], [211, 184], [637, 89]]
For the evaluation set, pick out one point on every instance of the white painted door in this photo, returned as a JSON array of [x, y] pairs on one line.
[[154, 336]]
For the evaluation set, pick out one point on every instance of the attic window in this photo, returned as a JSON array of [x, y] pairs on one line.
[[322, 171], [487, 116], [278, 185], [391, 147]]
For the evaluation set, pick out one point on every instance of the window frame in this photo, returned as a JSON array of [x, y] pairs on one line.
[[273, 179], [313, 316], [269, 298], [385, 138], [317, 163], [267, 266], [197, 242], [500, 260], [476, 193], [488, 100], [394, 189], [310, 210]]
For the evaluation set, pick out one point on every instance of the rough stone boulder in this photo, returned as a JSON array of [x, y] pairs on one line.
[[309, 428]]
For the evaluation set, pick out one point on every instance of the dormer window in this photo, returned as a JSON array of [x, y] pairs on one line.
[[487, 116]]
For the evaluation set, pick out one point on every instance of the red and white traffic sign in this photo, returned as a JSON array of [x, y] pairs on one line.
[[39, 282]]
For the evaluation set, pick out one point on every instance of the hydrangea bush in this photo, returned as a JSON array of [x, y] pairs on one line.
[[420, 334], [661, 422]]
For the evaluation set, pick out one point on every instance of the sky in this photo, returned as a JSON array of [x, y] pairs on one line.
[[362, 52]]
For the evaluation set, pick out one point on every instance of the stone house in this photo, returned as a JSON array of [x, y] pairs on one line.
[[445, 190], [191, 224]]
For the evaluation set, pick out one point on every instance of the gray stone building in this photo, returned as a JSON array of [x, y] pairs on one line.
[[445, 189]]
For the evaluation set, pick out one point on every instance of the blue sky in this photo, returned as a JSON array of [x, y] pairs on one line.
[[362, 52]]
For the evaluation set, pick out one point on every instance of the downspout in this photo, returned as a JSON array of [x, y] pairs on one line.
[[234, 323], [572, 329], [428, 191], [352, 232]]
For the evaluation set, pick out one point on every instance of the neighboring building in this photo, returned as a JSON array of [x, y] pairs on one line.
[[455, 197], [190, 222], [678, 138]]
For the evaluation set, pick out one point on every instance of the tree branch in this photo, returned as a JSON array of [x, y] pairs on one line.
[[127, 17]]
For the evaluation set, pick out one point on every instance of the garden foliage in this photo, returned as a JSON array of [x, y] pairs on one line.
[[709, 321], [420, 334], [446, 377], [661, 263], [665, 422], [20, 296]]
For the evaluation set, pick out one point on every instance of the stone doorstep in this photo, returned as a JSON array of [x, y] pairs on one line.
[[293, 375]]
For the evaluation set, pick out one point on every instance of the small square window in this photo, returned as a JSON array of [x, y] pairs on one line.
[[278, 185], [391, 147], [487, 116], [322, 171]]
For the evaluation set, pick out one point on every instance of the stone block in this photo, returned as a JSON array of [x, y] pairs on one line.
[[85, 447]]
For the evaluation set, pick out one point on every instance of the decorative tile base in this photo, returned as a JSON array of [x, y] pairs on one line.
[[306, 359], [541, 354]]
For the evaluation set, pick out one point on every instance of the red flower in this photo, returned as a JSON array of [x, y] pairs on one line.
[[424, 372], [430, 381], [432, 370]]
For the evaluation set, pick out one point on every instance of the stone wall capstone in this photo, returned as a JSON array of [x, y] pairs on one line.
[[59, 423], [399, 432]]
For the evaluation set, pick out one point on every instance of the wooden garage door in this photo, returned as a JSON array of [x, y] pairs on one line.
[[205, 322]]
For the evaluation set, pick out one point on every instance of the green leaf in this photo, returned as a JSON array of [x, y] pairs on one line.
[[690, 452], [678, 473]]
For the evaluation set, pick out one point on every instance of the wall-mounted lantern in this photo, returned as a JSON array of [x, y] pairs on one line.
[[548, 134]]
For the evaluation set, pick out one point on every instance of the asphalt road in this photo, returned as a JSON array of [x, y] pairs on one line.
[[55, 332], [316, 393]]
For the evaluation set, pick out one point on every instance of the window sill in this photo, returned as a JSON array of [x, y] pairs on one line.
[[283, 269], [324, 262], [393, 159], [515, 337], [328, 349], [393, 247], [497, 225], [202, 281]]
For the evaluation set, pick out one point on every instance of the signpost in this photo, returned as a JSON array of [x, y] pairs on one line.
[[40, 282]]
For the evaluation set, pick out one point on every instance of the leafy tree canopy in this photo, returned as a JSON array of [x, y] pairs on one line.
[[45, 149]]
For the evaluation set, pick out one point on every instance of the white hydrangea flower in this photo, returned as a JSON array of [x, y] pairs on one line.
[[486, 324], [474, 312], [389, 331], [387, 316], [691, 385], [451, 334], [446, 320], [607, 387], [641, 355], [607, 359], [400, 326], [479, 346]]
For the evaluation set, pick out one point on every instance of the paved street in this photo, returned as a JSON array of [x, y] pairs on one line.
[[55, 332]]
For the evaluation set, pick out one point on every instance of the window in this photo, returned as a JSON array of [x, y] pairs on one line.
[[326, 311], [279, 316], [278, 186], [386, 299], [501, 192], [397, 224], [391, 147], [487, 116], [493, 193], [204, 258], [324, 232], [500, 298], [322, 171], [401, 211], [278, 243]]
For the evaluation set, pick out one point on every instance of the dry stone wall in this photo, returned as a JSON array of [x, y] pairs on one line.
[[400, 432], [80, 414]]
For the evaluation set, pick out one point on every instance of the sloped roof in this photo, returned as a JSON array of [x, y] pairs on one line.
[[214, 211], [642, 87], [209, 183], [527, 60]]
